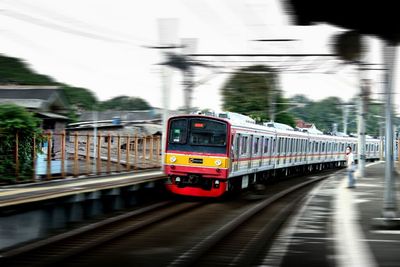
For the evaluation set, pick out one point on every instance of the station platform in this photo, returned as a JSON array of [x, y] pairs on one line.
[[46, 190], [341, 226]]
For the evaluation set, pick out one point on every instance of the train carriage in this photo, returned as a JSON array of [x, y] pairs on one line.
[[209, 155]]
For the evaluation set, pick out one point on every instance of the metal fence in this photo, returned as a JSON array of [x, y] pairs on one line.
[[59, 155]]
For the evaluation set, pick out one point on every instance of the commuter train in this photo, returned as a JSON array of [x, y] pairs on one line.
[[207, 156]]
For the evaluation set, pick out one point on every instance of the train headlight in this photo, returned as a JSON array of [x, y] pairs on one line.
[[172, 159], [216, 183], [218, 162], [178, 179]]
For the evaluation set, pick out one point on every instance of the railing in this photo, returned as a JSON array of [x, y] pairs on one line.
[[71, 155]]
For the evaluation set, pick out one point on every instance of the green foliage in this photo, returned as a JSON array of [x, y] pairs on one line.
[[248, 92], [322, 113], [15, 71], [15, 120], [125, 103], [80, 97], [330, 110]]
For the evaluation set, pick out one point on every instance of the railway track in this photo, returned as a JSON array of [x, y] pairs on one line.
[[241, 241], [56, 249], [203, 233]]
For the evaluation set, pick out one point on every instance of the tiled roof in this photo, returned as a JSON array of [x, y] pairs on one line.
[[27, 92]]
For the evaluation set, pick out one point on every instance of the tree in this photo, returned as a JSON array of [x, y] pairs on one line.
[[15, 120], [322, 113], [15, 71], [249, 92], [301, 112], [125, 103], [82, 98]]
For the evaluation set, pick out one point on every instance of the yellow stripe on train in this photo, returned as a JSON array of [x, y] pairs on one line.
[[196, 160]]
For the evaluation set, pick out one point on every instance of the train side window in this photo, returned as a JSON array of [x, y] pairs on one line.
[[278, 146], [256, 145], [243, 148], [237, 145], [284, 147], [266, 143], [293, 145]]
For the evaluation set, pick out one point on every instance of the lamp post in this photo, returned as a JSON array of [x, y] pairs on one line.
[[168, 29], [389, 202]]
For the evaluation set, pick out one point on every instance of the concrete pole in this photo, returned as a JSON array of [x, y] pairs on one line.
[[189, 47], [381, 142], [361, 125], [168, 30], [389, 201], [272, 99], [345, 118]]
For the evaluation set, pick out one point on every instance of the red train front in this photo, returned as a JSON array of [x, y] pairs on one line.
[[196, 157]]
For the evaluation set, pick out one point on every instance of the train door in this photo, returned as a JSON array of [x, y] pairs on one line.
[[258, 147], [264, 142], [266, 150], [278, 150], [272, 151], [235, 152], [251, 139], [284, 149]]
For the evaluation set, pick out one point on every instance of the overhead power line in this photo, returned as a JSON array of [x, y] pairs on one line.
[[58, 27]]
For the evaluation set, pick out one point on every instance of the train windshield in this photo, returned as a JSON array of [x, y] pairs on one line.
[[197, 135]]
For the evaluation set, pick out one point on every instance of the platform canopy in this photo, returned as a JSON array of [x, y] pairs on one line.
[[377, 18]]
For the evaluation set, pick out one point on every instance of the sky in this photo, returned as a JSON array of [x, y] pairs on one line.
[[103, 45]]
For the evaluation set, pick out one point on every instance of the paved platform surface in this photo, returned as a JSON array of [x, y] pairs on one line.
[[24, 193], [340, 226]]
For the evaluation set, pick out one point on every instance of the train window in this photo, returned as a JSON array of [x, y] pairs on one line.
[[243, 149], [284, 145], [273, 145], [266, 142], [207, 132], [256, 145], [279, 146], [178, 131]]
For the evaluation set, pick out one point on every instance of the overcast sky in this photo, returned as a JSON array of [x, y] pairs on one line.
[[100, 45]]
